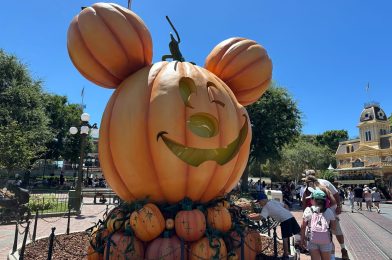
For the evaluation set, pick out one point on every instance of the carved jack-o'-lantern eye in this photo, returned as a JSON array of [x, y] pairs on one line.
[[210, 87], [203, 125], [187, 88]]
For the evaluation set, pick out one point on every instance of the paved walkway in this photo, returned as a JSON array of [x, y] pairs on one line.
[[368, 235], [90, 214]]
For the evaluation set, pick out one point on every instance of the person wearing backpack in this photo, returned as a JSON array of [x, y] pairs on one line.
[[319, 222]]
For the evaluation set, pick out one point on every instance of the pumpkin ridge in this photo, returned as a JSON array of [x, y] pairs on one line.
[[186, 139], [148, 142], [108, 120], [220, 144], [233, 177], [230, 59], [93, 56], [220, 54], [239, 72], [252, 89], [114, 36], [76, 27], [137, 30]]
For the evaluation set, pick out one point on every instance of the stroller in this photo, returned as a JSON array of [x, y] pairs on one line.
[[13, 204]]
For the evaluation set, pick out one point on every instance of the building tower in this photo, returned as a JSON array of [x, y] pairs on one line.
[[373, 125]]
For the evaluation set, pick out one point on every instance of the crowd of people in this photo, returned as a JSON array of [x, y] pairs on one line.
[[321, 204], [364, 194]]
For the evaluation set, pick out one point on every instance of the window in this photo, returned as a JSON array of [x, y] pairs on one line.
[[368, 136], [352, 148], [347, 149]]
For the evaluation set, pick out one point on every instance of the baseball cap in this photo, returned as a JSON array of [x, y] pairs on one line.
[[317, 195], [261, 196]]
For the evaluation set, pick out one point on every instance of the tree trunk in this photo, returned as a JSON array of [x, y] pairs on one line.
[[244, 180]]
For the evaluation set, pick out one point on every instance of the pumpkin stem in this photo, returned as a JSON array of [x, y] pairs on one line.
[[174, 45], [186, 204]]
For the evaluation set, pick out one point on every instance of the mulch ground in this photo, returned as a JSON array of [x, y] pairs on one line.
[[74, 246]]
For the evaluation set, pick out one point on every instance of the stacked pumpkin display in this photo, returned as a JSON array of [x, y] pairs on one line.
[[143, 232], [171, 132]]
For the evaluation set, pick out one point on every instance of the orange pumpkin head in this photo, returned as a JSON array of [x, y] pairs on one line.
[[219, 218], [244, 66], [148, 222], [171, 131], [107, 43]]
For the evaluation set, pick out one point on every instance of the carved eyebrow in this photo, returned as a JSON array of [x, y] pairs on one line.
[[187, 87], [211, 95]]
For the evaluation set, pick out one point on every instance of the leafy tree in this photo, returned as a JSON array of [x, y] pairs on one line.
[[332, 138], [24, 124], [275, 121], [301, 155], [62, 116]]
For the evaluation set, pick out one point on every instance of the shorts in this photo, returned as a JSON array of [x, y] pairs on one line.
[[368, 199], [322, 248], [358, 199], [338, 231], [289, 227]]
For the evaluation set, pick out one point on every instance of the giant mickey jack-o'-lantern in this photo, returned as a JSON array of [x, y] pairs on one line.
[[172, 129]]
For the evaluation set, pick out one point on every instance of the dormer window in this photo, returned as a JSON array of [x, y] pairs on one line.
[[368, 136]]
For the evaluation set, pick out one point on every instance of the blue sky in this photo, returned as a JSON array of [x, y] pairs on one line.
[[323, 52]]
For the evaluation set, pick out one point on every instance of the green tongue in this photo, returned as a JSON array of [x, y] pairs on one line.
[[196, 156]]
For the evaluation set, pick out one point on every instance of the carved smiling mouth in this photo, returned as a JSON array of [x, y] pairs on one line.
[[196, 156]]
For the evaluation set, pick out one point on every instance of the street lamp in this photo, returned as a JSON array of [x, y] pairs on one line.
[[85, 129]]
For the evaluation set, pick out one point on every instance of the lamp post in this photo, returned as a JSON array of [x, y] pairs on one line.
[[85, 128]]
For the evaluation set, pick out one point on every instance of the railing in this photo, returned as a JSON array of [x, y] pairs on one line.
[[366, 164], [49, 202]]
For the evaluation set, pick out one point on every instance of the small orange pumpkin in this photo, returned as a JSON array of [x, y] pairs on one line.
[[107, 43], [93, 255], [202, 249], [115, 221], [165, 248], [190, 224], [97, 243], [148, 222], [123, 247], [250, 250], [219, 218], [243, 65], [169, 223], [224, 203]]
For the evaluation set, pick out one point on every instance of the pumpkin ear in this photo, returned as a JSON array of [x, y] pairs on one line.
[[244, 66], [107, 43]]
